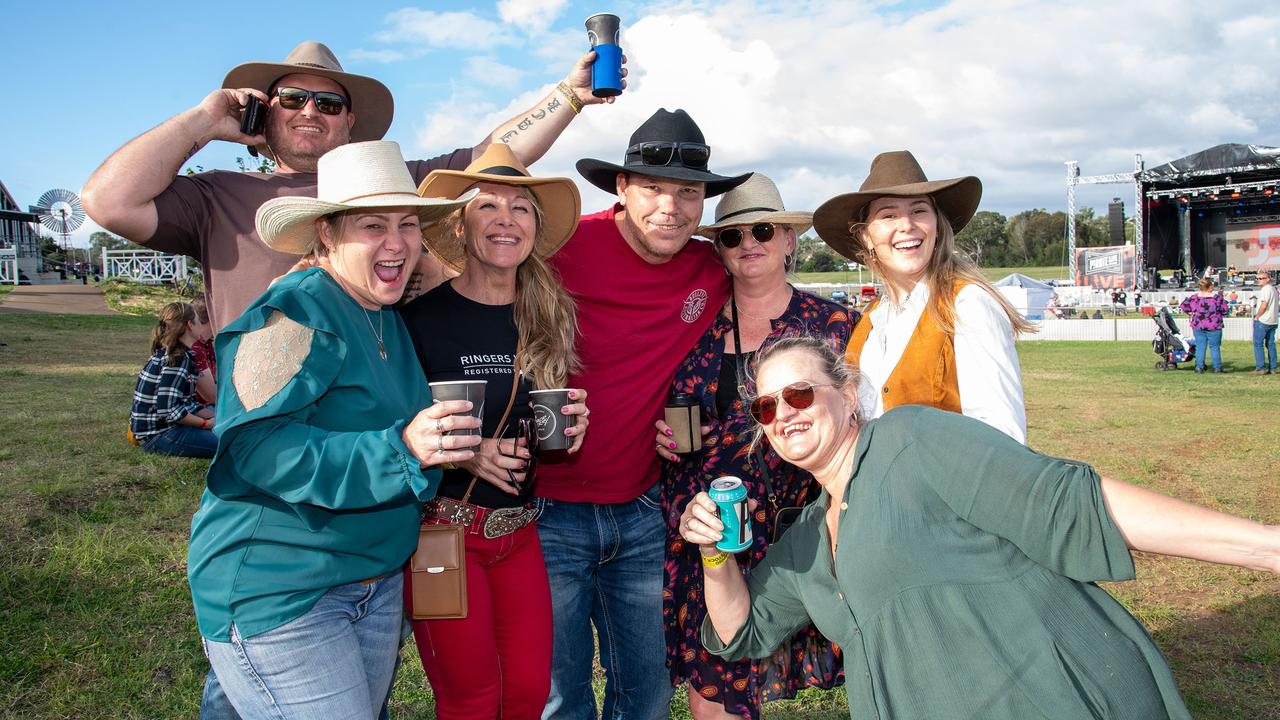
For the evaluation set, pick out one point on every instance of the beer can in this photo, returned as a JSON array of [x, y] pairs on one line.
[[730, 496]]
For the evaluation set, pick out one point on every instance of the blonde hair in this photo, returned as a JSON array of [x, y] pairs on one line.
[[171, 325], [831, 359], [948, 270], [201, 308], [1205, 284], [545, 314]]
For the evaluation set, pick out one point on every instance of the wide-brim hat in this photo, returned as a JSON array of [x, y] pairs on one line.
[[353, 176], [756, 200], [662, 126], [557, 196], [371, 101], [894, 174]]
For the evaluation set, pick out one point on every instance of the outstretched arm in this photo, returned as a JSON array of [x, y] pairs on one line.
[[532, 132], [1157, 523], [120, 195]]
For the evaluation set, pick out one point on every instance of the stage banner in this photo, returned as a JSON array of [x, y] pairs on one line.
[[1254, 247], [1113, 267]]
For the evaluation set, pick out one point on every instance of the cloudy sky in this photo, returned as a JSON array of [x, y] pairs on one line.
[[806, 92]]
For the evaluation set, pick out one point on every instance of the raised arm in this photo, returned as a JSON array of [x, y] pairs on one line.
[[531, 133], [120, 195], [1157, 523], [728, 600]]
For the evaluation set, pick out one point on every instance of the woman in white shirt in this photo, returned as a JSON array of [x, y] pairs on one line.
[[941, 335]]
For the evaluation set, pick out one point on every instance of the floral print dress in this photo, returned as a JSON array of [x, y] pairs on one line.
[[808, 658]]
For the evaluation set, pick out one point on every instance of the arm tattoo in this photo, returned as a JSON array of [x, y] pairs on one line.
[[528, 120], [195, 148]]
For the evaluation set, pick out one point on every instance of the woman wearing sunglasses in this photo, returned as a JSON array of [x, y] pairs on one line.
[[756, 239], [506, 320], [954, 566], [941, 335]]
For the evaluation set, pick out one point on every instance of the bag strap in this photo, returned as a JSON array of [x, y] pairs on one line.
[[511, 401]]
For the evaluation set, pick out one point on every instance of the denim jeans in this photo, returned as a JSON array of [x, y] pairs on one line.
[[1209, 341], [1264, 337], [336, 661], [182, 441], [605, 567]]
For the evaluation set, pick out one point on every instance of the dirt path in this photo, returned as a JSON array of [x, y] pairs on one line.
[[57, 299]]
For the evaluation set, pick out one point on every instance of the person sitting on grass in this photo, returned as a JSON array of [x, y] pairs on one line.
[[167, 418], [206, 365]]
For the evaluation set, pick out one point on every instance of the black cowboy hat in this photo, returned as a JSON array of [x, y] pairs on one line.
[[664, 133]]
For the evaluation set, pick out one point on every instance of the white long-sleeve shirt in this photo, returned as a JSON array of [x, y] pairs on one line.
[[987, 367]]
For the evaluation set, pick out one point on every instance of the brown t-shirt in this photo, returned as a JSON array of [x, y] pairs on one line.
[[209, 216]]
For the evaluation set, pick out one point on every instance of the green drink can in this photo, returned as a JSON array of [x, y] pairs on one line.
[[730, 496]]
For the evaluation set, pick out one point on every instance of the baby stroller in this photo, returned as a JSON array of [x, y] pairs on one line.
[[1169, 343]]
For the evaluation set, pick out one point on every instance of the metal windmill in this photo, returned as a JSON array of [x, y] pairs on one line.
[[60, 211]]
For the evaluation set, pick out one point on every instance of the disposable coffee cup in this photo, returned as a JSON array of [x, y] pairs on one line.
[[604, 30], [472, 390], [550, 422], [683, 415]]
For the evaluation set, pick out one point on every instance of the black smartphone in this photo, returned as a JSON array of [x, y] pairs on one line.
[[254, 117]]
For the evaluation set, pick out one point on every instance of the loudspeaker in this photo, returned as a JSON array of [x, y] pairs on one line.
[[1115, 216]]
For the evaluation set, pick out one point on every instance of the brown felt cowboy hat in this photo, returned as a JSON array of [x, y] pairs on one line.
[[756, 200], [371, 101], [894, 174], [668, 145], [557, 196]]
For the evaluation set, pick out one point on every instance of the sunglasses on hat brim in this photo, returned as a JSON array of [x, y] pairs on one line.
[[731, 237], [328, 103], [661, 153], [798, 395]]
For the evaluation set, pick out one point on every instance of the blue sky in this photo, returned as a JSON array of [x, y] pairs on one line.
[[807, 92]]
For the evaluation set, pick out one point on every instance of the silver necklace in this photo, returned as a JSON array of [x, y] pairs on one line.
[[382, 350]]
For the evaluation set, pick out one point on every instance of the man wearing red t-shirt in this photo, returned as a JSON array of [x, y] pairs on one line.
[[645, 294]]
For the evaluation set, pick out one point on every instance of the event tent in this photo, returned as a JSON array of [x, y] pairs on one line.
[[1026, 294]]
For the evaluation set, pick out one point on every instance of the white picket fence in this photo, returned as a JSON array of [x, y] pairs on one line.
[[9, 265], [144, 266], [1235, 328]]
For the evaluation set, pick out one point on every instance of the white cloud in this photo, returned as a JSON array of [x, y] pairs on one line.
[[379, 56], [809, 92], [462, 30], [489, 72], [534, 16]]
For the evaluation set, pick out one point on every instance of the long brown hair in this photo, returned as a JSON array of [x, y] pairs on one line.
[[171, 325], [948, 271]]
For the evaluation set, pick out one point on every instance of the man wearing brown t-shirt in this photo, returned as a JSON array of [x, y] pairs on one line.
[[209, 216]]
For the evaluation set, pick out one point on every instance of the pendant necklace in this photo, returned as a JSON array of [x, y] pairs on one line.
[[382, 350]]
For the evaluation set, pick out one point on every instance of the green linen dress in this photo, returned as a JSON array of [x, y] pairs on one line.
[[963, 584], [315, 488]]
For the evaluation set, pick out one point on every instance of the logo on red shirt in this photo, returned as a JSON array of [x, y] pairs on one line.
[[694, 305]]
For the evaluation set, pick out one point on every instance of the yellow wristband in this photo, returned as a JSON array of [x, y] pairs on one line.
[[574, 103], [716, 560]]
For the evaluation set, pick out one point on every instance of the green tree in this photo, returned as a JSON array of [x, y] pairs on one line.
[[102, 240], [984, 238], [822, 260]]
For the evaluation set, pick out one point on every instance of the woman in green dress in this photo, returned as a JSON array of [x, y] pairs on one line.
[[954, 566]]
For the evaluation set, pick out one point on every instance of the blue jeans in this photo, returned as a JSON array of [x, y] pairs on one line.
[[605, 567], [1264, 336], [336, 661], [1209, 341], [182, 441]]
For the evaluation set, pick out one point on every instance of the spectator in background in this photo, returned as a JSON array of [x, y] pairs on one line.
[[1207, 308], [206, 365], [1265, 319], [167, 418]]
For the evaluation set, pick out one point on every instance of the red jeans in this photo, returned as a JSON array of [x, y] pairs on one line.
[[496, 662]]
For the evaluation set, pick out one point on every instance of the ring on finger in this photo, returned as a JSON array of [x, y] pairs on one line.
[[439, 444], [439, 425]]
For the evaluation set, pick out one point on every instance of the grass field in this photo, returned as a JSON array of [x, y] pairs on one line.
[[1048, 272], [95, 619]]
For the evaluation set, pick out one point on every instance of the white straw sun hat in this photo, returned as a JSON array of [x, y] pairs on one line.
[[358, 175]]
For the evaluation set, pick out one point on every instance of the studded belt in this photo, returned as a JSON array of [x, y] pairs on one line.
[[487, 522]]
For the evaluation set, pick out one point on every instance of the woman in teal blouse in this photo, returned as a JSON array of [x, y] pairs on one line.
[[325, 452], [954, 566]]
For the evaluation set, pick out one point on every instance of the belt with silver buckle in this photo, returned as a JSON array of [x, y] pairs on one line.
[[488, 522]]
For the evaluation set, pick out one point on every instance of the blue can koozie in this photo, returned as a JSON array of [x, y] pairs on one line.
[[730, 496], [603, 30]]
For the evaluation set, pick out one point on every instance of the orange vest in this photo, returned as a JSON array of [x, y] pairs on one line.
[[926, 372]]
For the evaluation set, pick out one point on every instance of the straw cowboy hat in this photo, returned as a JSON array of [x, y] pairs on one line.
[[894, 174], [371, 101], [351, 177], [662, 130], [557, 196], [755, 201]]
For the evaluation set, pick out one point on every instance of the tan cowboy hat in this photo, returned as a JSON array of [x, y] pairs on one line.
[[371, 101], [357, 175], [755, 201], [894, 174], [557, 196]]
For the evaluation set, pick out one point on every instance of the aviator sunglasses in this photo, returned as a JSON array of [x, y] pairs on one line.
[[329, 103], [693, 155], [732, 237], [798, 395]]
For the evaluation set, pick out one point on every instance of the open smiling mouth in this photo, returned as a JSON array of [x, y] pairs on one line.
[[908, 244], [796, 429], [388, 271]]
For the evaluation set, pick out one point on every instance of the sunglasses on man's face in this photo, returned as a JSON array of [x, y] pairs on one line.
[[798, 395], [732, 237], [329, 103], [693, 155]]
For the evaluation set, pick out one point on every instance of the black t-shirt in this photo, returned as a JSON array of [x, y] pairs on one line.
[[460, 339]]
